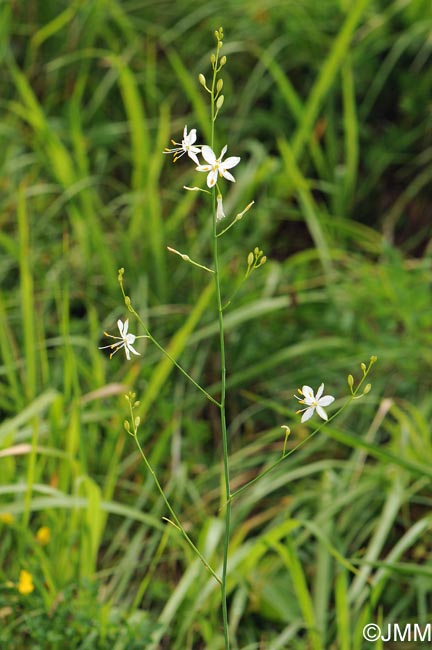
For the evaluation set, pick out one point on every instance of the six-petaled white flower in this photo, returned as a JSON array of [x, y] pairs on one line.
[[215, 165], [313, 402], [187, 145], [125, 340]]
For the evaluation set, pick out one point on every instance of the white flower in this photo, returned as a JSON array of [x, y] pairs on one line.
[[216, 166], [220, 214], [125, 340], [313, 402], [186, 146]]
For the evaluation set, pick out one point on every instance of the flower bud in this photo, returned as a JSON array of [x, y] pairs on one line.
[[373, 359], [137, 421], [126, 426], [219, 102], [350, 380], [202, 79], [366, 389], [263, 260], [223, 61], [220, 214], [219, 85], [212, 59], [363, 366], [250, 259]]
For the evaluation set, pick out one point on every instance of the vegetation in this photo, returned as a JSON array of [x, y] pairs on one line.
[[328, 105]]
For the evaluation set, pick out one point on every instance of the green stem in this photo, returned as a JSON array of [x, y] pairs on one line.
[[226, 475], [160, 347], [285, 454], [224, 443], [175, 520]]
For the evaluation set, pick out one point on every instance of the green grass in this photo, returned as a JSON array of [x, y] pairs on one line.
[[328, 107]]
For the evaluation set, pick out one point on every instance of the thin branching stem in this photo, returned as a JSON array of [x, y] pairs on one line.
[[160, 347], [226, 475], [174, 519]]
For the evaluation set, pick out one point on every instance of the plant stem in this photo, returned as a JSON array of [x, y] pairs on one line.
[[175, 521], [224, 437], [226, 476], [159, 346]]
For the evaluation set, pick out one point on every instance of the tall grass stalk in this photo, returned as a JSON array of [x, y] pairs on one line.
[[226, 477]]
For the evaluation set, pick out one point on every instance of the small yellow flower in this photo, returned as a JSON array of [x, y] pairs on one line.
[[25, 583], [43, 535], [6, 518]]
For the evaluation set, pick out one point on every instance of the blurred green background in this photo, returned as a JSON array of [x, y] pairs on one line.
[[329, 106]]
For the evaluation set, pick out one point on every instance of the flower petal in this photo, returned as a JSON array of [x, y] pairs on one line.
[[326, 400], [230, 162], [223, 152], [226, 175], [192, 154], [208, 154], [132, 349], [321, 412], [308, 414], [212, 178], [191, 138], [319, 392]]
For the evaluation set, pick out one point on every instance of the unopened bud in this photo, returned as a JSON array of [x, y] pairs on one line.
[[212, 59], [366, 389], [137, 421], [250, 259], [126, 426], [373, 359], [263, 260], [350, 380], [223, 60], [363, 367], [202, 79], [219, 102], [219, 85]]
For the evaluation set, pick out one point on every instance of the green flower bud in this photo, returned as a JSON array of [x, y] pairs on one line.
[[350, 380], [219, 85], [219, 102], [202, 79], [250, 259], [366, 389]]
